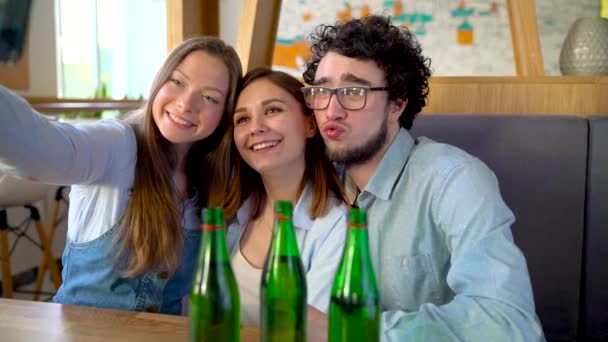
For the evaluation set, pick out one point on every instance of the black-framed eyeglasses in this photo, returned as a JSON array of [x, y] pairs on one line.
[[349, 97]]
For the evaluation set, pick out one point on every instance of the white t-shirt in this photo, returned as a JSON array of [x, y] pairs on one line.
[[249, 280], [96, 159], [320, 243]]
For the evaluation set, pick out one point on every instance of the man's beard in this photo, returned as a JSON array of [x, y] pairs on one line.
[[360, 154]]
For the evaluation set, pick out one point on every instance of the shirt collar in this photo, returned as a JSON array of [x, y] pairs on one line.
[[242, 215], [301, 212], [382, 182]]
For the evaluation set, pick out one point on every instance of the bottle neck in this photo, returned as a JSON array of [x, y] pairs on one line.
[[357, 238], [284, 238], [213, 244], [357, 259]]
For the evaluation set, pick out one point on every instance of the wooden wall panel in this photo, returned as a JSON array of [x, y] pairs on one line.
[[257, 32], [582, 96], [603, 96], [17, 76], [519, 95], [186, 18], [525, 37]]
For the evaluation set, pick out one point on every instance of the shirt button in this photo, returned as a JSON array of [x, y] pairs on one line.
[[151, 308], [404, 262]]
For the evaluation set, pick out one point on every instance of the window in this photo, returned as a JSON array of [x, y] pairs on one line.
[[109, 48]]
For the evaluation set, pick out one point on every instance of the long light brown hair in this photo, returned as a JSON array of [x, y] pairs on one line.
[[150, 236], [319, 170]]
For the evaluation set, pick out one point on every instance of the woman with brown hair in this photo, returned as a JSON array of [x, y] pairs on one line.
[[137, 184], [282, 157]]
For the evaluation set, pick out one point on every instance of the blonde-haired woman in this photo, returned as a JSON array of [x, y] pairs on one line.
[[137, 184]]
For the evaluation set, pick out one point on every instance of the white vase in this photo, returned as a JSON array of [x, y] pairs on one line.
[[585, 49]]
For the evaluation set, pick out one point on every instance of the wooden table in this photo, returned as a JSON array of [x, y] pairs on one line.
[[22, 321]]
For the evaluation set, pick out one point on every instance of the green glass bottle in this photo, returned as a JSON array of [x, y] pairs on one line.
[[214, 299], [283, 292], [354, 310]]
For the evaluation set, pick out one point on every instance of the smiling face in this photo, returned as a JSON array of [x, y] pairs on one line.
[[356, 136], [271, 129], [189, 105]]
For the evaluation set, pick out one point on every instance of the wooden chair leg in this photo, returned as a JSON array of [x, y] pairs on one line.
[[52, 224], [40, 278], [53, 221], [7, 276], [46, 247]]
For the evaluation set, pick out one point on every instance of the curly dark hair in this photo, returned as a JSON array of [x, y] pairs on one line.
[[394, 49]]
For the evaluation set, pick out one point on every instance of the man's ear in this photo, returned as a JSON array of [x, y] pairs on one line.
[[396, 107]]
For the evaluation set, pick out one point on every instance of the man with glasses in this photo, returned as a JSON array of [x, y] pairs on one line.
[[440, 237]]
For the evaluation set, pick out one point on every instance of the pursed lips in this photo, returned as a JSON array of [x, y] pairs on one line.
[[332, 129], [333, 126]]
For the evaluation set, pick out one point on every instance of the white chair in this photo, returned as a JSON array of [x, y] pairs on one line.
[[16, 192]]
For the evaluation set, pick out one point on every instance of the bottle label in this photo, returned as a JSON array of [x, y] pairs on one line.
[[211, 227], [356, 225], [282, 217]]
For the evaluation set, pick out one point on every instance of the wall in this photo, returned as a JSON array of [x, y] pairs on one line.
[[230, 12], [42, 50], [554, 19], [462, 38]]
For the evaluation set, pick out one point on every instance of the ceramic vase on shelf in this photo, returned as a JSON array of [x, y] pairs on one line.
[[585, 49]]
